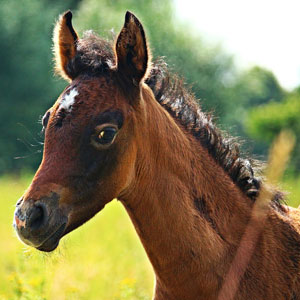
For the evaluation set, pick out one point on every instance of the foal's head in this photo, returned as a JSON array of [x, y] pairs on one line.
[[89, 152]]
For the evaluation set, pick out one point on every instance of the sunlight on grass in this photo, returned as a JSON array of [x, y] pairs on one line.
[[103, 259]]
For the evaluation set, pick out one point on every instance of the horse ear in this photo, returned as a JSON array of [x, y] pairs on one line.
[[131, 50], [64, 38]]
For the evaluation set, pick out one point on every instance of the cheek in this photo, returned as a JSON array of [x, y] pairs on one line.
[[106, 181], [106, 172], [98, 165], [124, 174]]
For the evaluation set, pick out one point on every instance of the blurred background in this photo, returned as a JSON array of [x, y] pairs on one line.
[[240, 58]]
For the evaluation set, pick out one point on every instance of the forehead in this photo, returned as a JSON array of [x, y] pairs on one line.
[[84, 100], [88, 96]]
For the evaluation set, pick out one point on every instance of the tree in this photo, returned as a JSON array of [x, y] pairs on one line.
[[251, 88], [266, 121]]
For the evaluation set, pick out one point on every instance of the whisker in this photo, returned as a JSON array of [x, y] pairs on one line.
[[29, 155], [31, 135]]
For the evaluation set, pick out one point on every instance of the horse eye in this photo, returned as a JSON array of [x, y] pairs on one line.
[[106, 135], [45, 119]]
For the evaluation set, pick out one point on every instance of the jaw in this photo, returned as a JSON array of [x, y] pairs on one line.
[[52, 242], [79, 217]]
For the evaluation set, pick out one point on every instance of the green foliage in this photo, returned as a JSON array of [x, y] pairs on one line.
[[28, 86], [259, 86], [266, 121], [251, 88]]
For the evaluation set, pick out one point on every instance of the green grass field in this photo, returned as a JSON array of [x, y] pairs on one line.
[[101, 260]]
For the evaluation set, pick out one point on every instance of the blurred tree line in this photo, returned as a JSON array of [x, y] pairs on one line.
[[249, 104], [28, 86]]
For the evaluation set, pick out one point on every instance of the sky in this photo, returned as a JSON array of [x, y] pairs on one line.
[[256, 32]]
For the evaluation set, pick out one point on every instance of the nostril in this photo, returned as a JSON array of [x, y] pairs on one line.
[[36, 217]]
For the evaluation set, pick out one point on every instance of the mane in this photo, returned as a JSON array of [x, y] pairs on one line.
[[170, 92], [95, 56]]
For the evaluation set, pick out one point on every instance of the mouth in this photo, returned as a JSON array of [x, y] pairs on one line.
[[52, 241]]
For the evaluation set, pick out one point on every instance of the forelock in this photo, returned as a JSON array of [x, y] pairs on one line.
[[94, 56]]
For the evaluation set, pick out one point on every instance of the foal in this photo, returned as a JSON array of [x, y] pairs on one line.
[[124, 129]]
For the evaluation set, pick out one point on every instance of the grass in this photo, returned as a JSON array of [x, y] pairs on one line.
[[101, 260]]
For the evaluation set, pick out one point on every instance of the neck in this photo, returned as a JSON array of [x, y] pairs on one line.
[[184, 207]]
